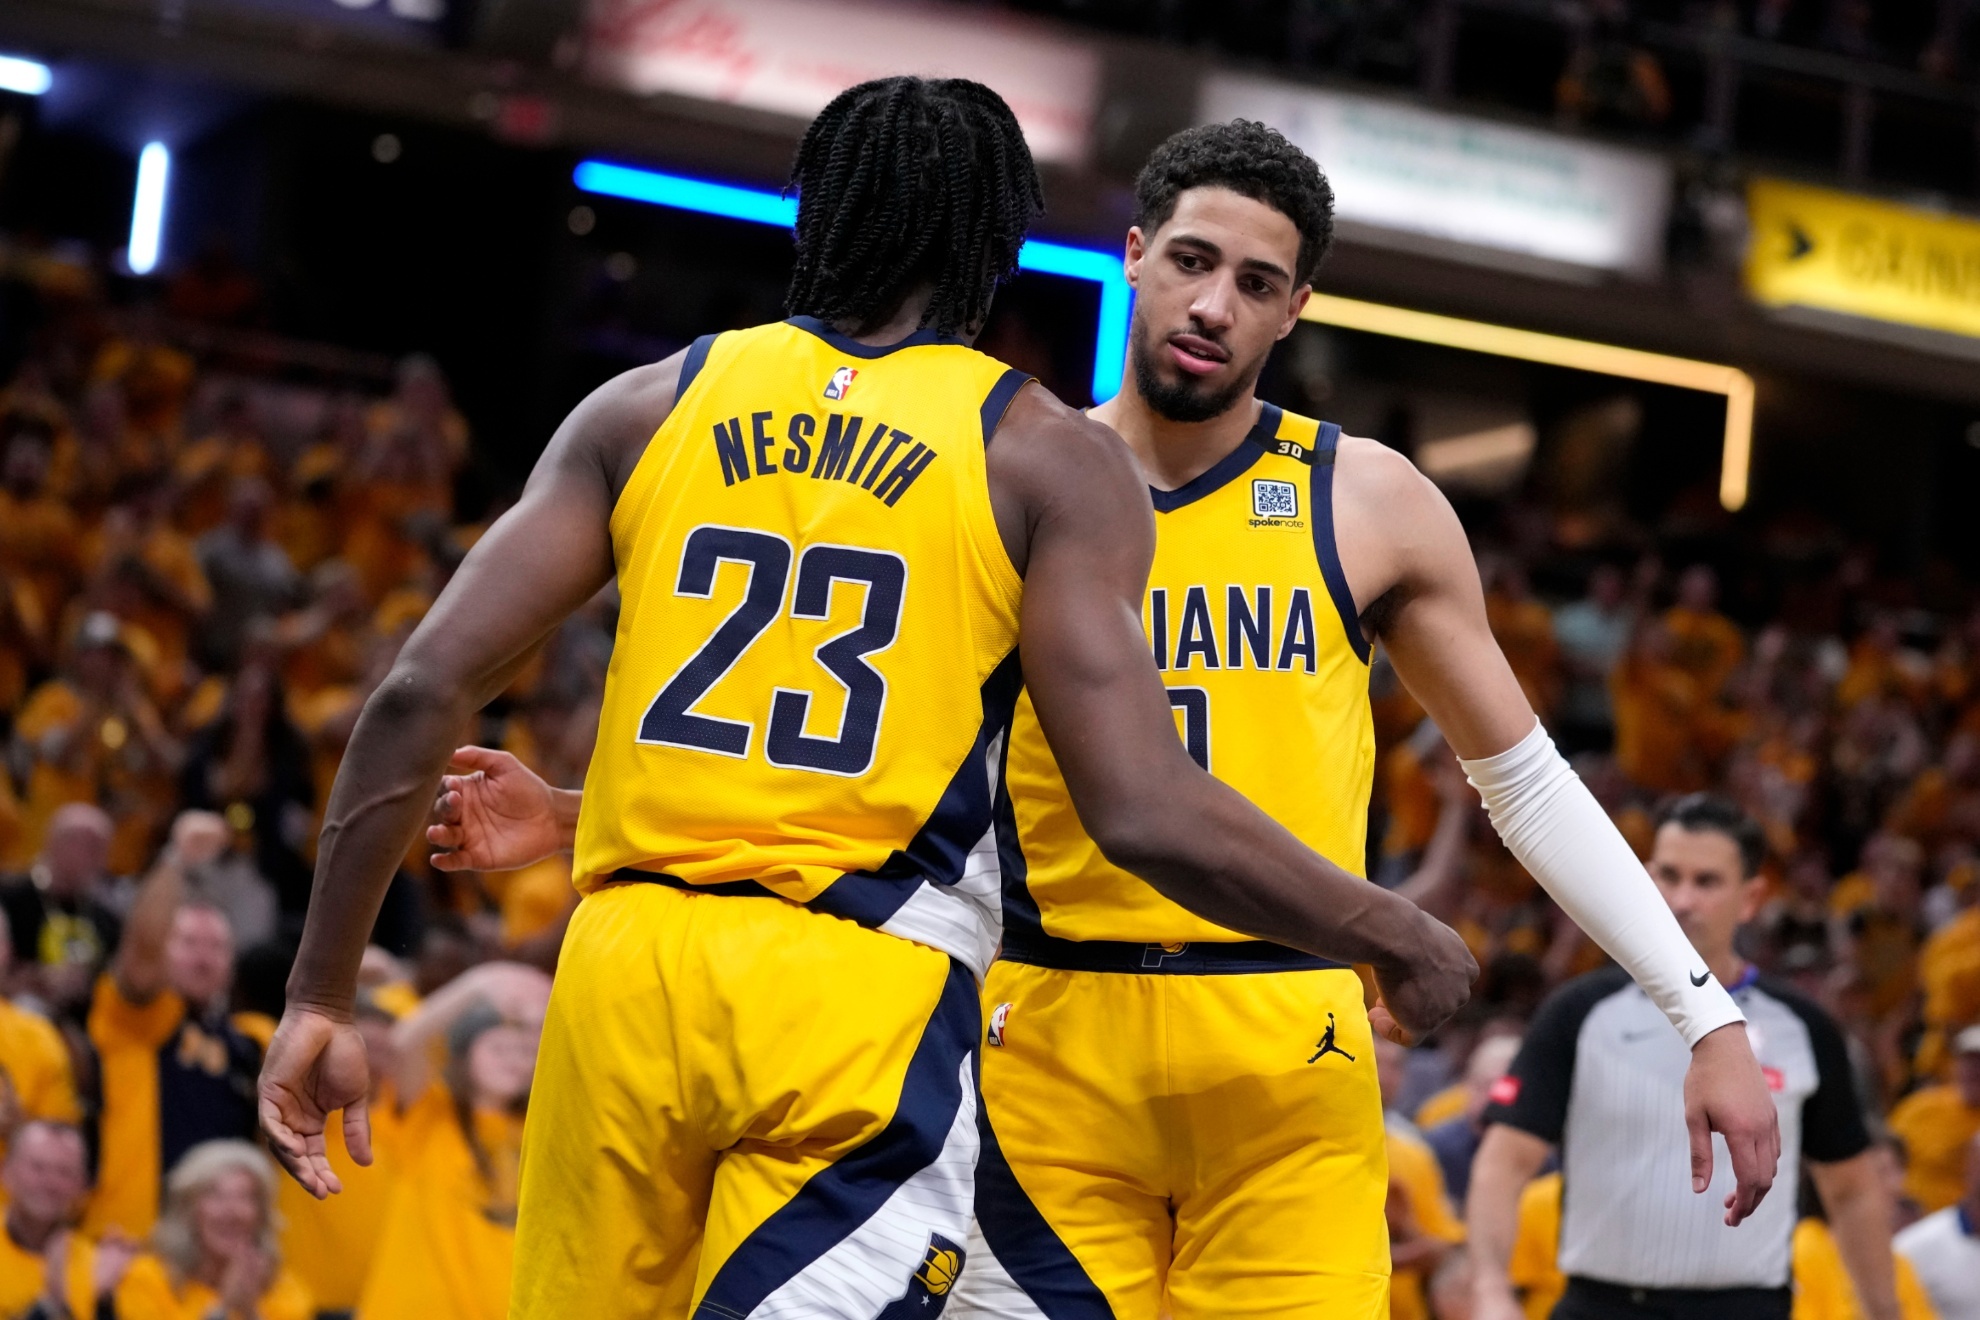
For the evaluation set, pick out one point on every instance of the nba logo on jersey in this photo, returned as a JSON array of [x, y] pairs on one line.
[[841, 382], [928, 1291], [1274, 499], [998, 1017]]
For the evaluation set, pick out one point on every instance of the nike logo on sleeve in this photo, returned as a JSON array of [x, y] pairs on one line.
[[1701, 978]]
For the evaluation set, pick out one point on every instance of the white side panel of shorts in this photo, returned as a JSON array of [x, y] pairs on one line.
[[874, 1264], [966, 919], [987, 1291]]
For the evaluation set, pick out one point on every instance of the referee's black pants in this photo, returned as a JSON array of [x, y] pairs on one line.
[[1588, 1299]]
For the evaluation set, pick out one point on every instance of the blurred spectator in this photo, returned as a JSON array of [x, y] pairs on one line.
[[1944, 1248], [1423, 1226], [448, 1245], [1663, 716], [1822, 1287], [1609, 77], [1455, 1140], [1704, 643], [95, 735], [46, 1268], [1534, 1268], [153, 379], [62, 925], [37, 1079], [253, 768], [178, 1069], [1524, 630], [250, 571], [214, 1250], [1938, 1123], [40, 538], [1591, 633]]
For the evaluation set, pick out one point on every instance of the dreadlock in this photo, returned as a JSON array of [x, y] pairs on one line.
[[902, 181]]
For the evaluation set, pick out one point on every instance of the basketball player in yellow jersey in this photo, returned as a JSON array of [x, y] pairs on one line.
[[755, 1094], [1181, 1121]]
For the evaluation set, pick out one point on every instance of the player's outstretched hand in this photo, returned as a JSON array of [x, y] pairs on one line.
[[493, 813], [316, 1066], [1724, 1092], [1432, 985]]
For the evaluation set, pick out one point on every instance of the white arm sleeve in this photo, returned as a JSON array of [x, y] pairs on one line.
[[1553, 824]]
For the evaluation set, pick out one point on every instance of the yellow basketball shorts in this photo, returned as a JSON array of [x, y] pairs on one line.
[[1189, 1146], [744, 1108]]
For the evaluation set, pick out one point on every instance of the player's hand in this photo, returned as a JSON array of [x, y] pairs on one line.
[[493, 813], [316, 1065], [1421, 993], [1724, 1092]]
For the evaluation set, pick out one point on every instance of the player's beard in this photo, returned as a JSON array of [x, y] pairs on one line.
[[1185, 400]]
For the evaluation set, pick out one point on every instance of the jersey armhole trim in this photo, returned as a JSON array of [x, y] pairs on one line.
[[697, 357], [998, 401], [1324, 547]]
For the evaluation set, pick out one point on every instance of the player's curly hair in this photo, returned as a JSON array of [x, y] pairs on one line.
[[1250, 159], [902, 181]]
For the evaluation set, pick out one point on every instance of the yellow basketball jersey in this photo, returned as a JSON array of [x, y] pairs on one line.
[[1257, 638], [815, 662]]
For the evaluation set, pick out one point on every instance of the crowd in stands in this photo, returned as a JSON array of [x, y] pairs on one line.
[[206, 567]]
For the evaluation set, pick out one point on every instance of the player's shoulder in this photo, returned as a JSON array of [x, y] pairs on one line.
[[1056, 440], [614, 423], [1368, 470]]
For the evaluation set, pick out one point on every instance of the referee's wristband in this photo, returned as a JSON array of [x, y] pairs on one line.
[[1560, 834]]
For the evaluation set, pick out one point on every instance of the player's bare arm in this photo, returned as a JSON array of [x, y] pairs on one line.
[[537, 564], [1410, 568], [1072, 508]]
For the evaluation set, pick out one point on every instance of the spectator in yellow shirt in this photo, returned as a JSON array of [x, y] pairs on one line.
[[1822, 1290], [1534, 1270], [448, 1245], [214, 1246], [1937, 1123], [177, 1068], [43, 1262], [34, 1063], [1704, 643]]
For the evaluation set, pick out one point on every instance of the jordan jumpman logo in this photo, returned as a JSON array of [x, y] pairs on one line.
[[1327, 1045]]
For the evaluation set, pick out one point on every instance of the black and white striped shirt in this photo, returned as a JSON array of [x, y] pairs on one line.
[[1601, 1074]]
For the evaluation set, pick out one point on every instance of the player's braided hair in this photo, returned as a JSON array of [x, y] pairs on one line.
[[1250, 159], [902, 181]]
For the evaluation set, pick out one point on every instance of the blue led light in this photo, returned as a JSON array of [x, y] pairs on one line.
[[767, 208], [148, 208], [28, 77]]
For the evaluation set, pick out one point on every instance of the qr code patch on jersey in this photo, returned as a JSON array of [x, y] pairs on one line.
[[1274, 499]]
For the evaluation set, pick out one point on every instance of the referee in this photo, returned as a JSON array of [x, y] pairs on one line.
[[1601, 1076]]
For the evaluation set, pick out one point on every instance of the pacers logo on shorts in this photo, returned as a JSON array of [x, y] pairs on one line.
[[841, 383], [998, 1017], [928, 1291]]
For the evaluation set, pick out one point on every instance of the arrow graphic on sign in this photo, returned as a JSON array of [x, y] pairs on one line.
[[1799, 243]]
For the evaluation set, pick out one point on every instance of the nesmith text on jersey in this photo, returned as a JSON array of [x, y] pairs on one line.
[[838, 454]]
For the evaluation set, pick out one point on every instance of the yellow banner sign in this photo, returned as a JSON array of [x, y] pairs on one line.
[[1832, 250]]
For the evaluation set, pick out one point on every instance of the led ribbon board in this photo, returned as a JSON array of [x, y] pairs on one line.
[[768, 208], [1736, 455]]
